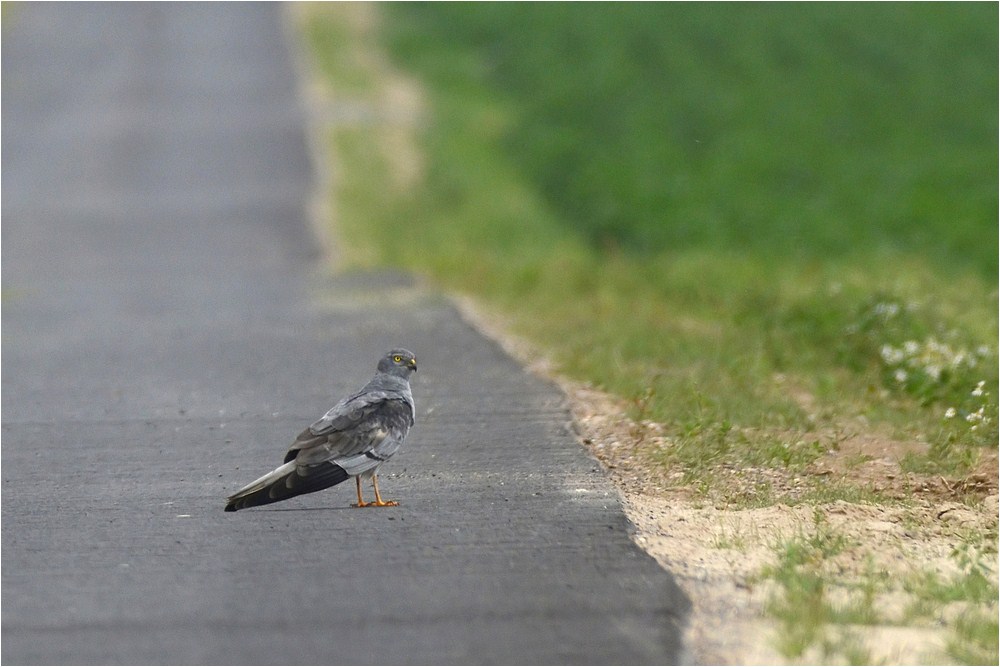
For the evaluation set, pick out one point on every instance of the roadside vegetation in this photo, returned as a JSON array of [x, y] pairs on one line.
[[771, 231]]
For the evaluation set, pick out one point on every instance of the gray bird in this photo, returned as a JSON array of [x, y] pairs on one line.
[[353, 439]]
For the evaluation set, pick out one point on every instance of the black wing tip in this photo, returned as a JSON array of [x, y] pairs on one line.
[[322, 477]]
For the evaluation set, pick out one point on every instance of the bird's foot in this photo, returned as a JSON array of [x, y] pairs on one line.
[[377, 503]]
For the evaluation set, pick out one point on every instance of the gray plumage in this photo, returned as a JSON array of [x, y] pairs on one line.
[[353, 439]]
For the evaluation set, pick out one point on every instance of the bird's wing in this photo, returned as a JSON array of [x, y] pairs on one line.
[[352, 411], [356, 425]]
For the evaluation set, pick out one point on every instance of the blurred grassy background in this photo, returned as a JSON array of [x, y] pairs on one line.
[[754, 222], [802, 130]]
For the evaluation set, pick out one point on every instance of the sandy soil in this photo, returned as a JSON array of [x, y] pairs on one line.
[[717, 554]]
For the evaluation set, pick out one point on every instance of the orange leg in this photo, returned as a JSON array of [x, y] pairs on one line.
[[378, 496], [361, 500]]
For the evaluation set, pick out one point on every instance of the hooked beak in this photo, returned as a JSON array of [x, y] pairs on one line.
[[412, 364]]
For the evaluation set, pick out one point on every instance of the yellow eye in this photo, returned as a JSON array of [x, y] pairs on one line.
[[397, 358]]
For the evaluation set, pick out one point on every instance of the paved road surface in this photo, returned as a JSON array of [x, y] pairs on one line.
[[167, 329]]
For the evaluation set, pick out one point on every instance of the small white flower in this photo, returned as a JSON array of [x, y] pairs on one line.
[[934, 372], [950, 413], [900, 376], [891, 355], [933, 346], [978, 391], [973, 417], [911, 347], [983, 351]]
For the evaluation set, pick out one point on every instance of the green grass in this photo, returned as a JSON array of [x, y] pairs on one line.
[[802, 604], [701, 224], [976, 639], [346, 67], [801, 130]]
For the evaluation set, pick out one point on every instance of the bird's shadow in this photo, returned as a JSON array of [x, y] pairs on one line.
[[304, 509], [310, 509]]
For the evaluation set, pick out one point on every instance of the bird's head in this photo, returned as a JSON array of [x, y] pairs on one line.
[[398, 362]]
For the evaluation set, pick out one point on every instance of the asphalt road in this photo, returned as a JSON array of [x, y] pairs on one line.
[[168, 329]]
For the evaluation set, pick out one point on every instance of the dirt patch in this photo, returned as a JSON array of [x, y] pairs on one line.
[[718, 554]]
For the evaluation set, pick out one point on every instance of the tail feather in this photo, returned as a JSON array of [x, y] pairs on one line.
[[286, 482]]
